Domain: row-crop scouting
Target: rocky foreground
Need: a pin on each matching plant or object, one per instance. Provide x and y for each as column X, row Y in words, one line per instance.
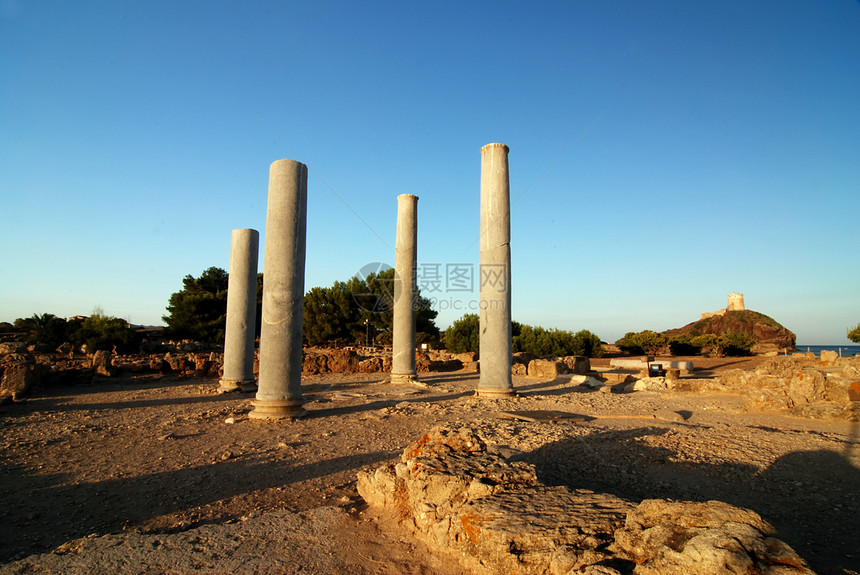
column 613, row 472
column 463, row 496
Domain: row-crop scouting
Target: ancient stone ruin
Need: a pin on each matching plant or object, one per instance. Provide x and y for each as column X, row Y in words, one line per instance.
column 495, row 276
column 405, row 265
column 279, row 393
column 241, row 313
column 457, row 492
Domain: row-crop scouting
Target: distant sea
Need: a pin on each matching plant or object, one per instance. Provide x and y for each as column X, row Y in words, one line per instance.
column 847, row 350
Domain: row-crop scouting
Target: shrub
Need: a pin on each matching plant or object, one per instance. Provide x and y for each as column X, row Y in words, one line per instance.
column 683, row 345
column 540, row 341
column 464, row 334
column 106, row 332
column 854, row 334
column 46, row 328
column 729, row 343
column 732, row 343
column 643, row 342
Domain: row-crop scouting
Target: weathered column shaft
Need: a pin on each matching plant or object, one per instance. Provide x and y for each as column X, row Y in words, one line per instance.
column 495, row 273
column 405, row 262
column 241, row 312
column 279, row 392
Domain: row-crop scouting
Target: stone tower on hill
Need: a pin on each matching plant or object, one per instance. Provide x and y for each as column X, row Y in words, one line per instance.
column 736, row 302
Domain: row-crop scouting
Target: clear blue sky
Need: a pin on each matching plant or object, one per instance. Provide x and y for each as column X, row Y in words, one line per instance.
column 663, row 153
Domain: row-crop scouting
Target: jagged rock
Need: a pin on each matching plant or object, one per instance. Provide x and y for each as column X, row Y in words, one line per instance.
column 790, row 384
column 178, row 363
column 158, row 364
column 101, row 363
column 578, row 364
column 66, row 348
column 8, row 347
column 459, row 495
column 687, row 538
column 649, row 384
column 370, row 365
column 202, row 366
column 422, row 362
column 314, row 363
column 343, row 361
column 18, row 379
column 519, row 369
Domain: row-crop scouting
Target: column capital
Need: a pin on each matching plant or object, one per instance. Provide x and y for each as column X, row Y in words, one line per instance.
column 496, row 145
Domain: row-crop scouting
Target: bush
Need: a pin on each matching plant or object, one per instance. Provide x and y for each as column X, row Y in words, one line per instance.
column 46, row 329
column 539, row 341
column 729, row 343
column 362, row 308
column 106, row 332
column 854, row 334
column 644, row 342
column 683, row 345
column 464, row 334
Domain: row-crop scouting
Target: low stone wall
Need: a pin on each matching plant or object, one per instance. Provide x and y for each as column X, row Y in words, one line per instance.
column 829, row 389
column 464, row 498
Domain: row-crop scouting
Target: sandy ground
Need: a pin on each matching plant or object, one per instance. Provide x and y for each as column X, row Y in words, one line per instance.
column 150, row 467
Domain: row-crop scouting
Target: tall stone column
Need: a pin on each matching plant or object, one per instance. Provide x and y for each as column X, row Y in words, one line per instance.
column 241, row 312
column 405, row 261
column 279, row 393
column 495, row 304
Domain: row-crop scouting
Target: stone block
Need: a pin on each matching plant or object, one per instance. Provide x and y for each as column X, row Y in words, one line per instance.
column 545, row 368
column 578, row 364
column 18, row 380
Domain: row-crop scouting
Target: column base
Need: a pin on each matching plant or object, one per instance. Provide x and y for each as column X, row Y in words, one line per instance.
column 230, row 385
column 495, row 392
column 275, row 409
column 409, row 378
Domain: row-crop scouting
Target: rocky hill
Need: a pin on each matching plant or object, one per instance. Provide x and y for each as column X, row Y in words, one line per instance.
column 768, row 333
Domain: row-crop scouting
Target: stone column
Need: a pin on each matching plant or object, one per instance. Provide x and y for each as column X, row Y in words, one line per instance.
column 279, row 393
column 405, row 261
column 241, row 312
column 495, row 273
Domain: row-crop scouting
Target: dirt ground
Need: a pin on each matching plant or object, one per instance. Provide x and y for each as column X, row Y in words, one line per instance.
column 130, row 473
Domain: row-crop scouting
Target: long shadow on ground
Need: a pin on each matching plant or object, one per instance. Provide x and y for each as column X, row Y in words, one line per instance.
column 810, row 497
column 67, row 512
